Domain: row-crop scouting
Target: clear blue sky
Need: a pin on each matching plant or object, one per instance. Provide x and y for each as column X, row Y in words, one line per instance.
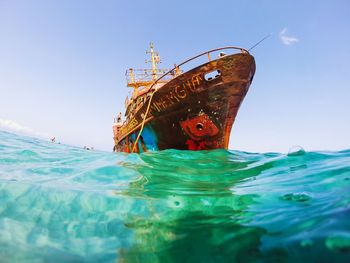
column 62, row 65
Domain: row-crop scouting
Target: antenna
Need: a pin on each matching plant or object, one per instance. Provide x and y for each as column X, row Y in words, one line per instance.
column 264, row 38
column 155, row 59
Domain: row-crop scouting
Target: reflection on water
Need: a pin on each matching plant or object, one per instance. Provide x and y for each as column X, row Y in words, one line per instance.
column 63, row 204
column 192, row 218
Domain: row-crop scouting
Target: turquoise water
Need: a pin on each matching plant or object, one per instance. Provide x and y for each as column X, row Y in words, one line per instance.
column 64, row 204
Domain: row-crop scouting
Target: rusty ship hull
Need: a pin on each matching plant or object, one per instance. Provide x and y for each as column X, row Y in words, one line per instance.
column 194, row 111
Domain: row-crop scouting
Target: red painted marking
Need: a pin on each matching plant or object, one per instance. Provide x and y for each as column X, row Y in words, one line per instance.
column 208, row 129
column 200, row 130
column 194, row 146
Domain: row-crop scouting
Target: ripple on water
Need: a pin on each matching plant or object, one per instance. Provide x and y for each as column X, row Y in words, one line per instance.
column 296, row 197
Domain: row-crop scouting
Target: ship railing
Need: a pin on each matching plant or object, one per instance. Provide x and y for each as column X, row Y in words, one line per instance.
column 209, row 55
column 142, row 77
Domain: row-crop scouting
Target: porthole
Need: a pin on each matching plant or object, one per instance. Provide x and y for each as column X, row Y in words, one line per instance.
column 212, row 75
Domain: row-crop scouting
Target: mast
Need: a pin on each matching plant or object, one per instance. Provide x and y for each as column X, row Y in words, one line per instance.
column 155, row 59
column 137, row 78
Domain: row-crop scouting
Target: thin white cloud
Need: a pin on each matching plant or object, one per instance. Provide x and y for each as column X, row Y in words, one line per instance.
column 287, row 40
column 13, row 126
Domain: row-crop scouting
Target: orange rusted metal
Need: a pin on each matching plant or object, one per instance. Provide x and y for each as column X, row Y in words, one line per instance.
column 194, row 110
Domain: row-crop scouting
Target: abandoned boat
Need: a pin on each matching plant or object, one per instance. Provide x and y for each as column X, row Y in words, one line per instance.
column 186, row 110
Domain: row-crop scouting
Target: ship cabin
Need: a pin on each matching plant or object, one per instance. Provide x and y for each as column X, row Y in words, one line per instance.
column 141, row 80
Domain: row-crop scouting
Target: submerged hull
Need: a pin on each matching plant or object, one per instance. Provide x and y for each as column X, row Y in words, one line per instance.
column 194, row 111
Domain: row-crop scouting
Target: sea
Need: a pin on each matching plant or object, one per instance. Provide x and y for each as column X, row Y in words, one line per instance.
column 60, row 203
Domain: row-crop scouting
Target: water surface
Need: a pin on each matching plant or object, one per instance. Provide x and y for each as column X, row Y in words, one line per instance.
column 64, row 204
